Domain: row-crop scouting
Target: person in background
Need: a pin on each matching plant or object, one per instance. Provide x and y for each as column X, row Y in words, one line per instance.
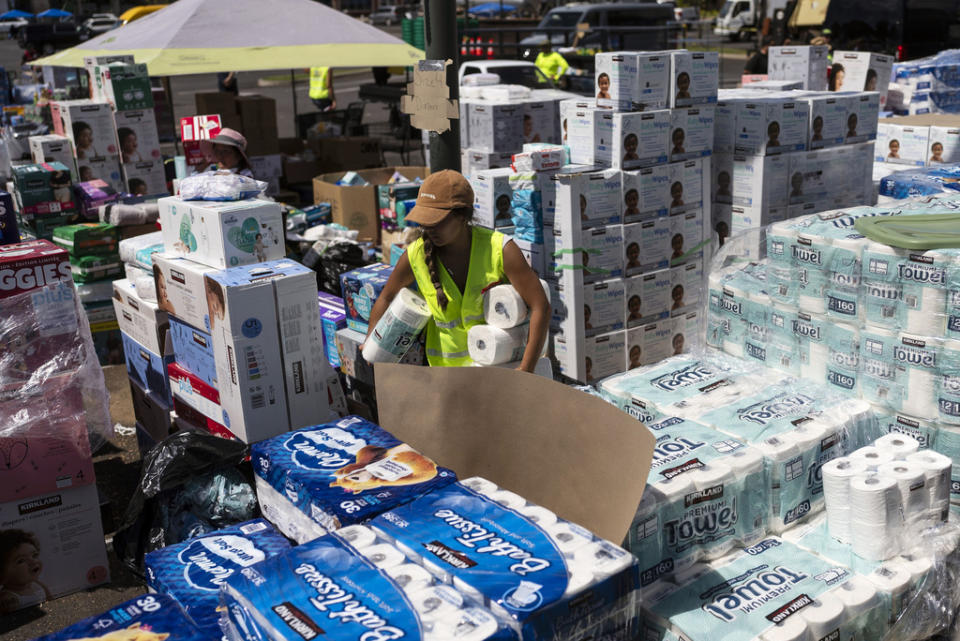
column 321, row 89
column 228, row 149
column 551, row 63
column 228, row 82
column 757, row 64
column 453, row 263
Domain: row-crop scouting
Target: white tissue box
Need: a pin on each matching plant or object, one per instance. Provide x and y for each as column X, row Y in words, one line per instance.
column 646, row 193
column 806, row 63
column 691, row 133
column 639, row 139
column 694, row 78
column 495, row 126
column 589, row 135
column 492, row 198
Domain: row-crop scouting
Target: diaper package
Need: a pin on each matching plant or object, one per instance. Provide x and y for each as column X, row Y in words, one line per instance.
column 361, row 288
column 192, row 572
column 148, row 617
column 544, row 577
column 705, row 494
column 342, row 473
column 350, row 585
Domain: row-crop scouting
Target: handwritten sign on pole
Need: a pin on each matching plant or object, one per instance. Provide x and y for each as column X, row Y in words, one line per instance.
column 428, row 97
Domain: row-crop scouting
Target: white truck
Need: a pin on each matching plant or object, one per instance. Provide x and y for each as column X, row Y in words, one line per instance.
column 738, row 19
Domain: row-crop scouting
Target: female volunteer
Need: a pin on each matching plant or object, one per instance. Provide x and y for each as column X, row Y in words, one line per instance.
column 453, row 264
column 228, row 149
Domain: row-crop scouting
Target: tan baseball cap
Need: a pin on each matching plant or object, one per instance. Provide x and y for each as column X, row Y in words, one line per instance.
column 439, row 194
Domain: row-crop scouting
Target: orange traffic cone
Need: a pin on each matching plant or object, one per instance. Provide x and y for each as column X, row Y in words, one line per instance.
column 490, row 49
column 463, row 47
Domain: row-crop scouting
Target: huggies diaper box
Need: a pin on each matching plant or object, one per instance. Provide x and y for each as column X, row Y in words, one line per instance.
column 361, row 288
column 222, row 234
column 541, row 575
column 148, row 617
column 344, row 472
column 31, row 265
column 351, row 585
column 192, row 572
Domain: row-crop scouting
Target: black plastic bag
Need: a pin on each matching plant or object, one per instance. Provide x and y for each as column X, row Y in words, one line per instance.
column 337, row 259
column 190, row 483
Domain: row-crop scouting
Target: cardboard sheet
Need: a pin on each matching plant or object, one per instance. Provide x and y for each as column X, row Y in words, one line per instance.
column 427, row 101
column 566, row 450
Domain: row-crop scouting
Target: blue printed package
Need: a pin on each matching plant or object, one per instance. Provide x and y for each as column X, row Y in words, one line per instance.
column 772, row 590
column 343, row 472
column 346, row 586
column 332, row 318
column 361, row 287
column 193, row 349
column 192, row 571
column 147, row 369
column 706, row 493
column 149, row 617
column 557, row 578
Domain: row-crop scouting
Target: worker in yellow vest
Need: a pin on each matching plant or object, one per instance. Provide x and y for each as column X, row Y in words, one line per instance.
column 453, row 263
column 321, row 88
column 551, row 63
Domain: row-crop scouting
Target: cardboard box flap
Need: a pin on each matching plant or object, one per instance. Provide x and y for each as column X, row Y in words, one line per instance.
column 570, row 452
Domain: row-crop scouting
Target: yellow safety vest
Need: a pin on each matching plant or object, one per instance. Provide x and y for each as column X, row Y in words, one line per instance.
column 318, row 83
column 447, row 330
column 552, row 64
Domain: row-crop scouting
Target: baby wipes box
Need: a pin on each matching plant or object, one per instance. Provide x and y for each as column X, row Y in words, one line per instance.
column 691, row 133
column 589, row 135
column 51, row 544
column 193, row 571
column 361, row 288
column 694, row 78
column 639, row 139
column 705, row 495
column 180, row 288
column 191, row 390
column 222, row 234
column 541, row 575
column 808, row 63
column 148, row 617
column 646, row 193
column 343, row 472
column 350, row 585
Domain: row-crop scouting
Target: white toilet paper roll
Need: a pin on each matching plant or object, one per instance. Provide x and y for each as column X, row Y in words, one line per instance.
column 472, row 624
column 436, row 602
column 911, row 483
column 857, row 594
column 900, row 445
column 410, row 577
column 894, row 584
column 823, row 616
column 508, row 499
column 480, row 485
column 409, row 552
column 836, row 491
column 374, row 353
column 359, row 536
column 605, row 558
column 744, row 461
column 875, row 522
column 471, row 592
column 397, row 329
column 578, row 581
column 442, row 573
column 384, row 555
column 146, row 289
column 872, row 456
column 936, row 468
column 489, row 345
column 793, row 629
column 568, row 537
column 539, row 515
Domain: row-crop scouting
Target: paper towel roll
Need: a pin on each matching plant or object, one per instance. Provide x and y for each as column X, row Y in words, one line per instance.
column 811, row 333
column 744, row 461
column 568, row 537
column 508, row 499
column 823, row 616
column 146, row 289
column 480, row 485
column 711, row 474
column 936, row 468
column 857, row 594
column 925, row 291
column 359, row 536
column 878, row 371
column 539, row 515
column 792, row 629
column 397, row 329
column 436, row 602
column 882, row 288
column 872, row 456
column 948, row 381
column 918, row 566
column 489, row 345
column 808, row 272
column 605, row 558
column 674, row 489
column 778, row 449
column 472, row 624
column 808, row 435
column 911, row 483
column 690, row 574
column 894, row 584
column 917, row 356
column 503, row 306
column 384, row 555
column 900, row 445
column 410, row 577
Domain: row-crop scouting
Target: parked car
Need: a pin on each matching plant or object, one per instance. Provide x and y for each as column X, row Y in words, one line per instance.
column 47, row 37
column 388, row 15
column 511, row 72
column 9, row 26
column 99, row 23
column 624, row 25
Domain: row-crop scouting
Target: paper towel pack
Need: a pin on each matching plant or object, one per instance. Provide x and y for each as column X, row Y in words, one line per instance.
column 554, row 563
column 192, row 572
column 345, row 472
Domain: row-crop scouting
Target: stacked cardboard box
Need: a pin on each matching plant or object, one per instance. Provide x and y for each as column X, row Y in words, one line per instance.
column 253, row 116
column 91, row 129
column 43, row 198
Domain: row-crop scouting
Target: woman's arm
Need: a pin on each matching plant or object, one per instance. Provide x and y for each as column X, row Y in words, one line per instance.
column 402, row 276
column 527, row 284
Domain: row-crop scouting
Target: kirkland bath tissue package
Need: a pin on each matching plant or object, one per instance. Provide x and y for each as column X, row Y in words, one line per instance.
column 547, row 578
column 192, row 571
column 148, row 617
column 773, row 591
column 342, row 473
column 706, row 494
column 346, row 586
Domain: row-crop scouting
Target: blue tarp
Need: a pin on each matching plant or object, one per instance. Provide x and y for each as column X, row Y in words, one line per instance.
column 15, row 13
column 55, row 13
column 491, row 9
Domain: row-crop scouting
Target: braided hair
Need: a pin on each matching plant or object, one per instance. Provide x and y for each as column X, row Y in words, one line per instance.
column 430, row 256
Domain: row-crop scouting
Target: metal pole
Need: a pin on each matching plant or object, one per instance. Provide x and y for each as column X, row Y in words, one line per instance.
column 440, row 26
column 293, row 90
column 168, row 86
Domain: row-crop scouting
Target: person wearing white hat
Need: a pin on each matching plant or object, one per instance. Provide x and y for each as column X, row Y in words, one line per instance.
column 227, row 149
